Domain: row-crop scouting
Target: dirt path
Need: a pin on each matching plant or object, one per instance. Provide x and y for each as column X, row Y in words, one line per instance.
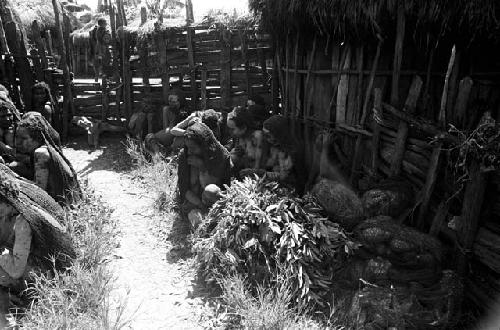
column 157, row 288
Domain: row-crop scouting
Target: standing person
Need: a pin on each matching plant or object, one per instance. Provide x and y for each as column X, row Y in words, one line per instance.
column 42, row 102
column 49, row 168
column 100, row 38
column 31, row 232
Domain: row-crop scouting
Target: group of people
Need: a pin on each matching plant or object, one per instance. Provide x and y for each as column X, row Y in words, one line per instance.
column 213, row 147
column 36, row 181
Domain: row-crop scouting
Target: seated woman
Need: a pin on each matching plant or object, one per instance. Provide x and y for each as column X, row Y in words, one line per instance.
column 9, row 116
column 49, row 168
column 247, row 147
column 42, row 102
column 31, row 232
column 285, row 163
column 204, row 169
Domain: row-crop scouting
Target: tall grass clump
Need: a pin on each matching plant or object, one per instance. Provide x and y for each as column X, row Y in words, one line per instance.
column 79, row 298
column 157, row 173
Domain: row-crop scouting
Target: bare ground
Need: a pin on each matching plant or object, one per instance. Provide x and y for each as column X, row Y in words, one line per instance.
column 153, row 275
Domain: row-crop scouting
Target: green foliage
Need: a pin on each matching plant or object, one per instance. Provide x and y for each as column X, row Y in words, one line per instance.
column 258, row 225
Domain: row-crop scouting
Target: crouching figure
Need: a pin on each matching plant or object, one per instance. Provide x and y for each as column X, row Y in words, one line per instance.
column 48, row 167
column 204, row 169
column 31, row 236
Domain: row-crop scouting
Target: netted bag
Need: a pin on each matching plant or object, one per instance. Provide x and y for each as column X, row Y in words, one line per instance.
column 340, row 202
column 401, row 245
column 408, row 307
column 389, row 198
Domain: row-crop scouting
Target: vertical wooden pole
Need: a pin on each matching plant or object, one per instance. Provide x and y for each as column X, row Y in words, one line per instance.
column 377, row 115
column 50, row 44
column 308, row 92
column 144, row 15
column 67, row 42
column 35, row 28
column 192, row 67
column 464, row 90
column 296, row 77
column 471, row 212
column 225, row 74
column 203, row 88
column 364, row 113
column 244, row 50
column 143, row 54
column 165, row 79
column 402, row 134
column 68, row 97
column 430, row 181
column 116, row 65
column 398, row 55
column 15, row 40
column 105, row 98
column 37, row 64
column 189, row 12
column 359, row 88
column 275, row 90
column 343, row 89
column 286, row 92
column 126, row 76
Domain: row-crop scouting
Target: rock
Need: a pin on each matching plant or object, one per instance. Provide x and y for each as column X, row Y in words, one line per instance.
column 340, row 202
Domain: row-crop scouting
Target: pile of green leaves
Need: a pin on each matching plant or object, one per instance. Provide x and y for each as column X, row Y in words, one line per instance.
column 259, row 227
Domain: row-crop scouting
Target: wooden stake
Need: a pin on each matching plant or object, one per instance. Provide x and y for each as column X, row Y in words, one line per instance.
column 275, row 85
column 377, row 112
column 50, row 44
column 464, row 90
column 116, row 64
column 359, row 138
column 126, row 76
column 67, row 41
column 444, row 97
column 471, row 212
column 225, row 74
column 190, row 44
column 244, row 50
column 343, row 89
column 144, row 15
column 296, row 77
column 68, row 97
column 359, row 89
column 105, row 98
column 410, row 106
column 308, row 92
column 398, row 55
column 189, row 12
column 203, row 88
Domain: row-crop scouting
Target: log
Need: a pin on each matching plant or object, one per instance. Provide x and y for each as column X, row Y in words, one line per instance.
column 471, row 211
column 343, row 89
column 402, row 135
column 68, row 97
column 377, row 112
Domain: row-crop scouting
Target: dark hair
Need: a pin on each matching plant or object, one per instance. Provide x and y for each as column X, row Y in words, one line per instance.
column 48, row 95
column 242, row 118
column 102, row 21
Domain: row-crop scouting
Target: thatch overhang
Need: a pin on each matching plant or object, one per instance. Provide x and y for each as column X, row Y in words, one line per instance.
column 463, row 20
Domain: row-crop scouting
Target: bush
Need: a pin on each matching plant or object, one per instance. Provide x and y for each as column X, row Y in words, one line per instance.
column 257, row 226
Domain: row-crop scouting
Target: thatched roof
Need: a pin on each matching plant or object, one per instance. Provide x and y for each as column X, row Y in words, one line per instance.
column 26, row 11
column 364, row 18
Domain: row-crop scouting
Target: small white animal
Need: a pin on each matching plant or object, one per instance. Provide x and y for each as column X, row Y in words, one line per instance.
column 95, row 127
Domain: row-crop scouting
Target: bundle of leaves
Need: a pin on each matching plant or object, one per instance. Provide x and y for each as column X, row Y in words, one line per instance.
column 259, row 226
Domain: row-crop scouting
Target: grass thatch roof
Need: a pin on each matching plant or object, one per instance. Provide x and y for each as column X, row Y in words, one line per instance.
column 26, row 11
column 364, row 18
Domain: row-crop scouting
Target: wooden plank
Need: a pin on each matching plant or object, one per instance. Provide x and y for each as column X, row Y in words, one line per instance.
column 68, row 97
column 444, row 98
column 410, row 106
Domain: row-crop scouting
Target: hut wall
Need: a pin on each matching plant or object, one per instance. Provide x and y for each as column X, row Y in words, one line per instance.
column 324, row 84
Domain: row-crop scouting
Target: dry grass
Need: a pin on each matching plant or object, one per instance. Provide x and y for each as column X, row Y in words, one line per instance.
column 79, row 298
